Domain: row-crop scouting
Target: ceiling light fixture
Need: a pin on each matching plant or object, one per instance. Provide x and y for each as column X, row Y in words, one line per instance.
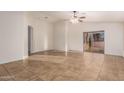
column 76, row 19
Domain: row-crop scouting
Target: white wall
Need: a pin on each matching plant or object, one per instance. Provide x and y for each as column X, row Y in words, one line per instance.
column 42, row 34
column 60, row 36
column 12, row 29
column 123, row 43
column 14, row 35
column 113, row 36
column 25, row 36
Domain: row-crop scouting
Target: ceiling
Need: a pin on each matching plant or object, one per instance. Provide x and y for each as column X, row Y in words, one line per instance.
column 99, row 16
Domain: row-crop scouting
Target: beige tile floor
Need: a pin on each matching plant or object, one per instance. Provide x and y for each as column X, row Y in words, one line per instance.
column 59, row 66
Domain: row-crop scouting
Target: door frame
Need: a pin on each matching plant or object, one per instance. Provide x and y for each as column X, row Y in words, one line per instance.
column 92, row 32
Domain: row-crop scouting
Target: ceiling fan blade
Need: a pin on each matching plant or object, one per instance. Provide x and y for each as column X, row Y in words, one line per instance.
column 80, row 20
column 82, row 17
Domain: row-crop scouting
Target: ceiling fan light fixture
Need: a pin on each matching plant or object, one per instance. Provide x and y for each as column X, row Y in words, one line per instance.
column 74, row 20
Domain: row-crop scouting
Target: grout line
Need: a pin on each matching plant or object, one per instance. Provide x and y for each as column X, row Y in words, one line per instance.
column 100, row 71
column 8, row 73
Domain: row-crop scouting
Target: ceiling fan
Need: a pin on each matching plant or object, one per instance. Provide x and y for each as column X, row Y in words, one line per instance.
column 76, row 18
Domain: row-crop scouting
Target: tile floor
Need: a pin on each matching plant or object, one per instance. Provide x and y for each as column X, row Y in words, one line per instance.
column 59, row 66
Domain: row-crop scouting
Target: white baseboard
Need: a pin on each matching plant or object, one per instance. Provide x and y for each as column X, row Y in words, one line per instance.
column 14, row 59
column 11, row 60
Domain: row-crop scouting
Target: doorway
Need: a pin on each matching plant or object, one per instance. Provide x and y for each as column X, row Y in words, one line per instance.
column 30, row 38
column 93, row 41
